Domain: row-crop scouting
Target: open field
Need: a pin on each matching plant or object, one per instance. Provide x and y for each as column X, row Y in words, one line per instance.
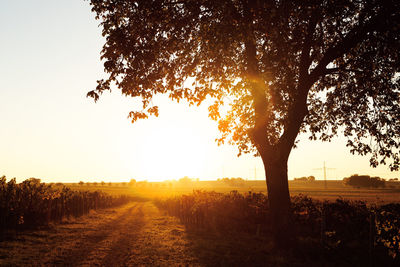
column 335, row 189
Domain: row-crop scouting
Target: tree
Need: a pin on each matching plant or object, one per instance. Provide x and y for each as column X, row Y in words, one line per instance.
column 283, row 67
column 185, row 180
column 132, row 182
column 364, row 181
column 305, row 179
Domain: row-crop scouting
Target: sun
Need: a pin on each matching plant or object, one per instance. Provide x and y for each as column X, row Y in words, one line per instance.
column 172, row 153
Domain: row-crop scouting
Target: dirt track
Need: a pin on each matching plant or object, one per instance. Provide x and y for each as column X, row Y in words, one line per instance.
column 137, row 234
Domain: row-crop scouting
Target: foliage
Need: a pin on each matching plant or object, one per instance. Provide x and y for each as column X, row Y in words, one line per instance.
column 185, row 180
column 341, row 225
column 281, row 66
column 32, row 203
column 305, row 179
column 364, row 181
column 237, row 182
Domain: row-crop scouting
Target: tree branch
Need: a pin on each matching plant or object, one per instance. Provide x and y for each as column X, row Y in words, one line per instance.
column 305, row 59
column 354, row 37
column 338, row 70
column 298, row 111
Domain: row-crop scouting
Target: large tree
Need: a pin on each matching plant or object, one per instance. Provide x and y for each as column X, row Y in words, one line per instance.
column 283, row 67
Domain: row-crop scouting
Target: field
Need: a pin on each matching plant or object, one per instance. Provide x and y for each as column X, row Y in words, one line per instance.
column 335, row 189
column 143, row 233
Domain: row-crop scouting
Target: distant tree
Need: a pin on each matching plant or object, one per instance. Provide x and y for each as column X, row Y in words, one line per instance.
column 185, row 180
column 35, row 180
column 81, row 183
column 237, row 182
column 302, row 179
column 364, row 181
column 132, row 182
column 87, row 184
column 102, row 183
column 95, row 183
column 305, row 179
column 284, row 67
column 109, row 184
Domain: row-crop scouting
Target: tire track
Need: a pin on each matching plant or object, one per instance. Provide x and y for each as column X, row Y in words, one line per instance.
column 90, row 245
column 137, row 234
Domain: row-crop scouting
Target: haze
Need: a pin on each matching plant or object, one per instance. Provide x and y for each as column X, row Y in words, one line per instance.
column 50, row 130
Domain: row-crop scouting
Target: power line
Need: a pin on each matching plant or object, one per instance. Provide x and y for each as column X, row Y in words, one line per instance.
column 324, row 168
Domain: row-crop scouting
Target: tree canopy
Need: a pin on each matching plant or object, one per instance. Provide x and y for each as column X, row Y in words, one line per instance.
column 283, row 67
column 364, row 181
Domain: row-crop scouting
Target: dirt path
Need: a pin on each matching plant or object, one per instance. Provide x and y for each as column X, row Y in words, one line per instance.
column 137, row 234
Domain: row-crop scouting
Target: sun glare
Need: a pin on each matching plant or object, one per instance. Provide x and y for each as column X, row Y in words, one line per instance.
column 172, row 153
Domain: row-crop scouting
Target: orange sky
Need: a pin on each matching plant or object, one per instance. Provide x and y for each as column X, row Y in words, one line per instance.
column 50, row 130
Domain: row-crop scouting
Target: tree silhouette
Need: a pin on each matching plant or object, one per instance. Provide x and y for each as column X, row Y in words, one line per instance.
column 283, row 67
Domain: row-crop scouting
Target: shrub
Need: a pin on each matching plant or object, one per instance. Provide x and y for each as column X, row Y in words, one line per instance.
column 31, row 203
column 342, row 225
column 364, row 181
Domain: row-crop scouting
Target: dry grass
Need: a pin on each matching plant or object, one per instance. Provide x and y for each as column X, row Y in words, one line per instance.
column 136, row 234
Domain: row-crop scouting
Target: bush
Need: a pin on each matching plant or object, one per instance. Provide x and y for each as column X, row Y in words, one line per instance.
column 343, row 225
column 31, row 203
column 305, row 179
column 235, row 182
column 364, row 181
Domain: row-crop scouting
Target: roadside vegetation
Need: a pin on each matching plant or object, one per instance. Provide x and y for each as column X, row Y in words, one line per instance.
column 210, row 223
column 32, row 204
column 341, row 231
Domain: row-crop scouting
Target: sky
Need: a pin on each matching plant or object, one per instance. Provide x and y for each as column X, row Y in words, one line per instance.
column 50, row 59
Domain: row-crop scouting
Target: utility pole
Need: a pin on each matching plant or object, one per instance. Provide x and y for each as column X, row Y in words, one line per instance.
column 324, row 168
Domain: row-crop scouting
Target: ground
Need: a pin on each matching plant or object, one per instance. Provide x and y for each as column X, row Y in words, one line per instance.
column 137, row 234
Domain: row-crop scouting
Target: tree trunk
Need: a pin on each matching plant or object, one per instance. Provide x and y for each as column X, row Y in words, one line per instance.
column 279, row 199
